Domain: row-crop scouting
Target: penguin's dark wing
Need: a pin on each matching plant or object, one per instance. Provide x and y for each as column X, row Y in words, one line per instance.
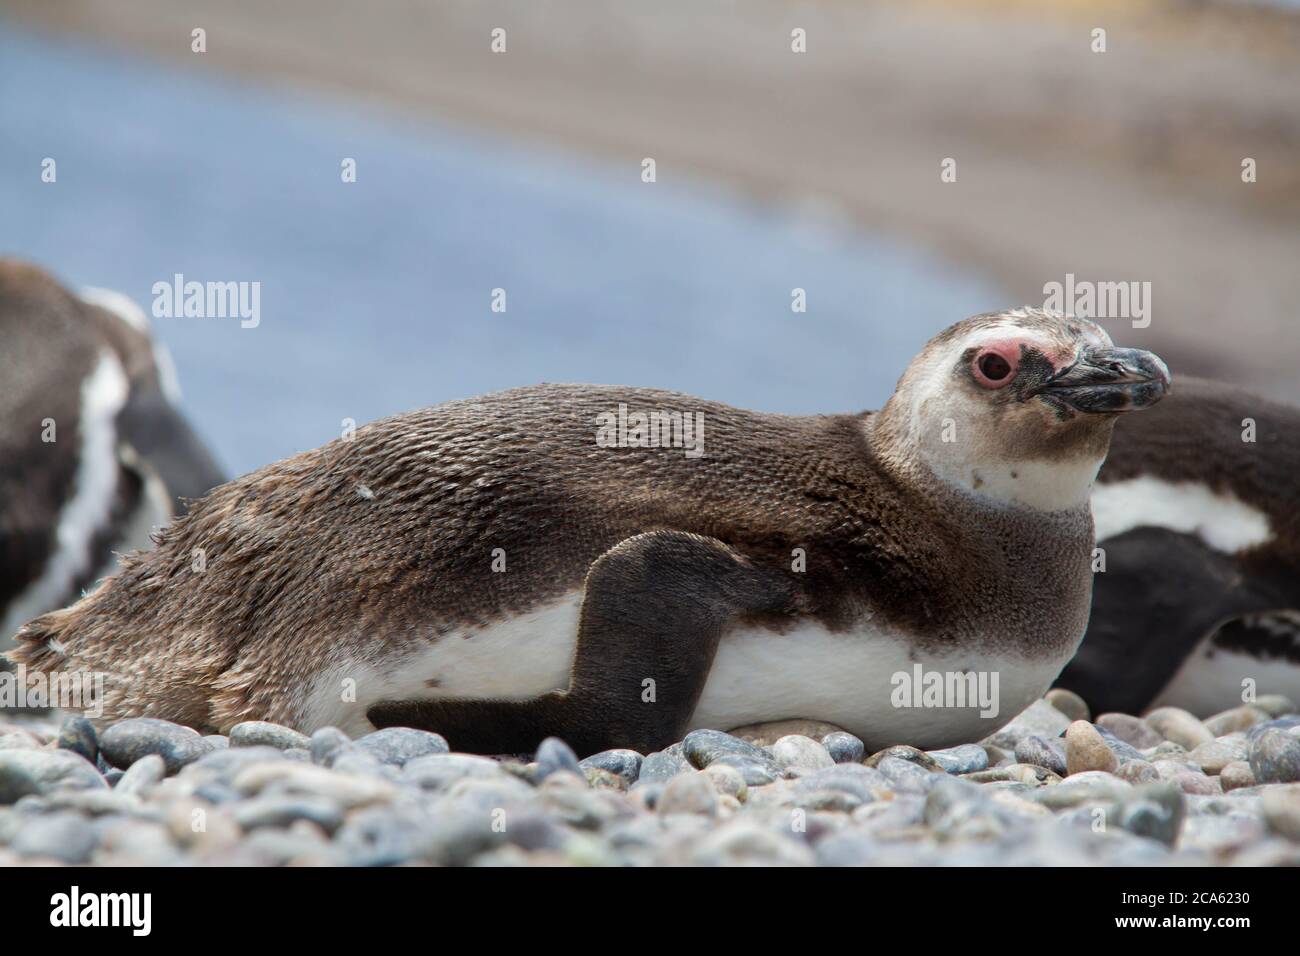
column 1161, row 594
column 162, row 437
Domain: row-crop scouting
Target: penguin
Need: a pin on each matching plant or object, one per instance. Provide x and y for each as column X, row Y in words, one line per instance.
column 1197, row 514
column 93, row 452
column 616, row 566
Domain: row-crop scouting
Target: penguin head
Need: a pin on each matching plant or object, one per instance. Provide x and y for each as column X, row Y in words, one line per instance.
column 1017, row 406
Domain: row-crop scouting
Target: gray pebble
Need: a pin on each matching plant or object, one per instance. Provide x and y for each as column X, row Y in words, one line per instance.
column 702, row 747
column 622, row 763
column 1069, row 703
column 1178, row 725
column 967, row 758
column 281, row 811
column 553, row 756
column 64, row 836
column 127, row 741
column 78, row 735
column 326, row 743
column 1042, row 752
column 1275, row 757
column 844, row 747
column 1132, row 730
column 688, row 793
column 794, row 751
column 396, row 745
column 42, row 771
column 261, row 733
column 141, row 775
column 662, row 767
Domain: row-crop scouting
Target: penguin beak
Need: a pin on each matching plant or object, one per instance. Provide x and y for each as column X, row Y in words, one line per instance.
column 1108, row 380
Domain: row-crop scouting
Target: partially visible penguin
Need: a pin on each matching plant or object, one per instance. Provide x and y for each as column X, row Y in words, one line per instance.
column 539, row 561
column 93, row 452
column 1198, row 514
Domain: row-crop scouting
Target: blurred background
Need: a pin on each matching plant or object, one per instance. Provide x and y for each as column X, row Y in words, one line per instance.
column 522, row 170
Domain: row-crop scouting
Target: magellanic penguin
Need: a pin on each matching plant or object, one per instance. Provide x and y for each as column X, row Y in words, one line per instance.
column 93, row 452
column 617, row 565
column 1198, row 519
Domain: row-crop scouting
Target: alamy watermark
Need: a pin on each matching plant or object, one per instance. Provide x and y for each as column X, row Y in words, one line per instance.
column 1100, row 300
column 208, row 300
column 653, row 429
column 946, row 689
column 66, row 690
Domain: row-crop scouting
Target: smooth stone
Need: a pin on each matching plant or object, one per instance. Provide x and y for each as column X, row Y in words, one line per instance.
column 966, row 758
column 146, row 772
column 78, row 735
column 1236, row 775
column 702, row 747
column 852, row 778
column 1040, row 718
column 903, row 752
column 19, row 740
column 766, row 734
column 1132, row 730
column 747, row 844
column 757, row 773
column 1068, row 703
column 1197, row 783
column 1176, row 724
column 661, row 767
column 1123, row 750
column 326, row 743
column 554, row 756
column 1156, row 812
column 1289, row 723
column 1031, row 774
column 622, row 763
column 24, row 772
column 1138, row 772
column 804, row 753
column 1276, row 705
column 727, row 781
column 688, row 793
column 1281, row 810
column 1040, row 751
column 66, row 837
column 1091, row 786
column 1086, row 749
column 280, row 811
column 1236, row 719
column 126, row 741
column 1213, row 757
column 908, row 775
column 440, row 771
column 844, row 747
column 1275, row 757
column 218, row 741
column 396, row 745
column 261, row 733
column 286, row 776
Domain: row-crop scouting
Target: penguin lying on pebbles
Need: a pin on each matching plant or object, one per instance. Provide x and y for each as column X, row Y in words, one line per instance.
column 534, row 562
column 1198, row 513
column 93, row 453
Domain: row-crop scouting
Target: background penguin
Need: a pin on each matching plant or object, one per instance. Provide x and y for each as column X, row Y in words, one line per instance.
column 492, row 570
column 93, row 453
column 1201, row 532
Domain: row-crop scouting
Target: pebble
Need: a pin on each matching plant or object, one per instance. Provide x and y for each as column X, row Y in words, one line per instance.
column 688, row 793
column 24, row 772
column 1132, row 730
column 795, row 751
column 78, row 735
column 260, row 733
column 792, row 793
column 1277, row 705
column 1236, row 775
column 1275, row 757
column 967, row 758
column 1177, row 725
column 625, row 764
column 1217, row 754
column 1068, row 703
column 396, row 745
column 844, row 747
column 1281, row 809
column 1086, row 749
column 128, row 740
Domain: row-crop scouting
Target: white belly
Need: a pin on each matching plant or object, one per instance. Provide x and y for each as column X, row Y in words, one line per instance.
column 849, row 679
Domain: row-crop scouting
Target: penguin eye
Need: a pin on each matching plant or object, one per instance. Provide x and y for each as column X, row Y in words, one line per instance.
column 993, row 369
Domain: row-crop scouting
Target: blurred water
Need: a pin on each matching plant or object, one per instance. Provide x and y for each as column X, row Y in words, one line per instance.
column 375, row 295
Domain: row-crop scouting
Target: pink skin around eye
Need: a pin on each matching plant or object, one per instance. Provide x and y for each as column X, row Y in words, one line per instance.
column 1008, row 352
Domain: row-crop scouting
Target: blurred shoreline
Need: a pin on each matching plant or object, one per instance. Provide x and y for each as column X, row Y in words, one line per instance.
column 1123, row 166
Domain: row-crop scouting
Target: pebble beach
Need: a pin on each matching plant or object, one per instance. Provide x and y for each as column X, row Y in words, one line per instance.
column 1057, row 786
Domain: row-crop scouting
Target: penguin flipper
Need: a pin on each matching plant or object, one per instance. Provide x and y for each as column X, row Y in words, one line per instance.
column 161, row 436
column 654, row 609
